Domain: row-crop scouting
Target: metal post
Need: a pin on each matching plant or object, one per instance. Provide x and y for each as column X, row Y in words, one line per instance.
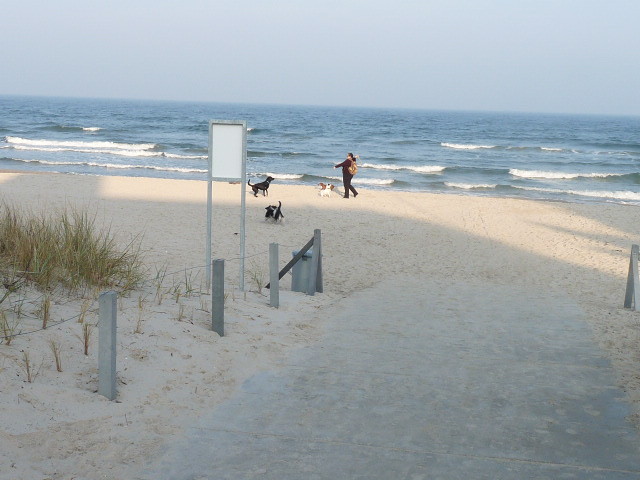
column 243, row 201
column 315, row 264
column 632, row 295
column 209, row 210
column 217, row 297
column 274, row 281
column 317, row 238
column 107, row 345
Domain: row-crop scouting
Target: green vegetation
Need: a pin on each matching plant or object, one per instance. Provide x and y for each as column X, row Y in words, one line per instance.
column 64, row 249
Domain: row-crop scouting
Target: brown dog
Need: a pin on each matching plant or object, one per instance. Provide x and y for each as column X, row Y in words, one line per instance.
column 325, row 190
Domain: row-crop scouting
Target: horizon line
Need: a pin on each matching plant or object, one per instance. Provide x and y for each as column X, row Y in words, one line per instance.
column 332, row 106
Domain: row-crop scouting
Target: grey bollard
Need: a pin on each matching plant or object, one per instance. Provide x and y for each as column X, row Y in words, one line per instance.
column 274, row 280
column 301, row 271
column 217, row 297
column 107, row 345
column 315, row 267
column 632, row 294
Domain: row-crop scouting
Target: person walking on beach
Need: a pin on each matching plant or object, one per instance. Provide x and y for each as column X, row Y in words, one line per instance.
column 347, row 174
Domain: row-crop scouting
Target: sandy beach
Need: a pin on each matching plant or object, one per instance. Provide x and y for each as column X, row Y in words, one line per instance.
column 172, row 367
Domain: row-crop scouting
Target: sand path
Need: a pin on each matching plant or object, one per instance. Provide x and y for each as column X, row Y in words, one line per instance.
column 420, row 378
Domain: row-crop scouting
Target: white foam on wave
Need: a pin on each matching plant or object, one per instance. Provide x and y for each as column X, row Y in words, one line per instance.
column 558, row 175
column 122, row 153
column 173, row 169
column 459, row 146
column 367, row 181
column 91, row 129
column 422, row 169
column 175, row 155
column 380, row 166
column 551, row 149
column 119, row 166
column 25, row 142
column 282, row 176
column 428, row 169
column 470, row 186
column 614, row 195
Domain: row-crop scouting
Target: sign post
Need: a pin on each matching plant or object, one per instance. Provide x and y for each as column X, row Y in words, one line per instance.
column 227, row 162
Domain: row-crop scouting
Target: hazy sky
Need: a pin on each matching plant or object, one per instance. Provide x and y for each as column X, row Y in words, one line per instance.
column 571, row 56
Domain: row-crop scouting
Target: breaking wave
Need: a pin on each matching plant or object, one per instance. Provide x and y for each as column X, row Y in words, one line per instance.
column 422, row 169
column 459, row 146
column 367, row 181
column 280, row 176
column 78, row 144
column 471, row 186
column 105, row 148
column 620, row 195
column 559, row 175
column 115, row 166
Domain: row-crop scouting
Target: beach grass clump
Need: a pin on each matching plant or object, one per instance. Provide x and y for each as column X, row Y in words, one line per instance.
column 45, row 311
column 141, row 314
column 257, row 277
column 85, row 337
column 161, row 274
column 56, row 349
column 29, row 368
column 8, row 327
column 66, row 249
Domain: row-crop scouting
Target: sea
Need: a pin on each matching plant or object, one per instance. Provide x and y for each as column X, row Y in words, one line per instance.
column 553, row 157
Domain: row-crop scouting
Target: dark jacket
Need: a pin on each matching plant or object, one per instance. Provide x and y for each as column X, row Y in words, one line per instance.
column 345, row 166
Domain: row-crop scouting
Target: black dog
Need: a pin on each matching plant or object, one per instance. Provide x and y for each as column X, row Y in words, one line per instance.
column 274, row 212
column 264, row 186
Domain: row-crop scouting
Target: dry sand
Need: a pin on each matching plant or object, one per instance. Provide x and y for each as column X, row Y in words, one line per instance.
column 172, row 367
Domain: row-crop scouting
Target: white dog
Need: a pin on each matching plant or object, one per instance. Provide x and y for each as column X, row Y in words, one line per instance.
column 325, row 190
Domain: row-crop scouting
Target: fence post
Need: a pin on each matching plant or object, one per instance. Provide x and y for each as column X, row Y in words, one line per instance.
column 274, row 281
column 317, row 234
column 315, row 276
column 107, row 344
column 217, row 297
column 632, row 295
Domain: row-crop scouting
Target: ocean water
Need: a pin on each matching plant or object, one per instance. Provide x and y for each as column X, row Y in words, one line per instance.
column 552, row 157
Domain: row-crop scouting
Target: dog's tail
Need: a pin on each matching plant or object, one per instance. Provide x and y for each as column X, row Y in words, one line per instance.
column 249, row 182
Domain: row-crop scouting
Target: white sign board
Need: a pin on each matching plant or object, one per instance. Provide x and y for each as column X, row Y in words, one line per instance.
column 227, row 147
column 227, row 161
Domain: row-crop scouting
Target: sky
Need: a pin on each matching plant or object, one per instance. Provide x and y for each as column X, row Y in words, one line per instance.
column 557, row 56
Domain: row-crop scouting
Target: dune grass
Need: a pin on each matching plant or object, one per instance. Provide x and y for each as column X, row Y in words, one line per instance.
column 66, row 248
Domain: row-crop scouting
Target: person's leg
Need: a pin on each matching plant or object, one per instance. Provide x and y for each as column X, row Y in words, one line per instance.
column 353, row 190
column 346, row 179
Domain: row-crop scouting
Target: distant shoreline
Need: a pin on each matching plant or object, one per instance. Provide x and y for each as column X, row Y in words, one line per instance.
column 339, row 184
